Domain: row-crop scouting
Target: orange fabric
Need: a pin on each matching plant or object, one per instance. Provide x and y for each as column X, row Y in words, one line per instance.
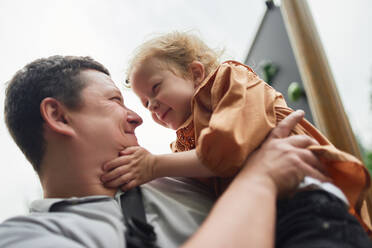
column 346, row 171
column 233, row 112
column 224, row 107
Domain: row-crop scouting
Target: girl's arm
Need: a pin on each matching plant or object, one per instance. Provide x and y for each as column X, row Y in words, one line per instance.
column 239, row 110
column 181, row 164
column 136, row 166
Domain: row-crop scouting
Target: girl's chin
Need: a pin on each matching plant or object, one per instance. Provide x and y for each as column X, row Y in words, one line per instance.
column 173, row 126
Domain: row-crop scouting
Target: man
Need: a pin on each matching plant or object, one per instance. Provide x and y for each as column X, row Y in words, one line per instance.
column 68, row 118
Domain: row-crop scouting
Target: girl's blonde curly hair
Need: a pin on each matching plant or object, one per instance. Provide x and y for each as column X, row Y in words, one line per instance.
column 177, row 50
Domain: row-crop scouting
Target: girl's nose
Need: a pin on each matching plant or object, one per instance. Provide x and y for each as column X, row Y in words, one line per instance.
column 153, row 104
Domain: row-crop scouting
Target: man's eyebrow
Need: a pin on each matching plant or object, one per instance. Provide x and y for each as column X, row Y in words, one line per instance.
column 112, row 92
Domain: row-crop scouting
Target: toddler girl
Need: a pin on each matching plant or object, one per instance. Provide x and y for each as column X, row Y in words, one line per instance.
column 221, row 113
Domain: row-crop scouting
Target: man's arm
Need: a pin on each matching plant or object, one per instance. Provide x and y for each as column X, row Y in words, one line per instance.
column 244, row 216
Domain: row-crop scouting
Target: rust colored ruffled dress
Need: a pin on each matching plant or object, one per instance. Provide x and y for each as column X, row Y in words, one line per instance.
column 233, row 112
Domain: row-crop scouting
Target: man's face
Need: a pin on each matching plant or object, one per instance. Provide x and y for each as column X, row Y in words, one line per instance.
column 103, row 124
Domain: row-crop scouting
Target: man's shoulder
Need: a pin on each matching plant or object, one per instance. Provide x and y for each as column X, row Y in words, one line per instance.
column 73, row 222
column 48, row 204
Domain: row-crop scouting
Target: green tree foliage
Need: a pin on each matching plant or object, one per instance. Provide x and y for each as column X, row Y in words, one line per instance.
column 367, row 157
column 367, row 152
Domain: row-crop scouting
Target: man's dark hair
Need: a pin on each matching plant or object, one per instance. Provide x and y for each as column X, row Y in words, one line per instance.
column 55, row 77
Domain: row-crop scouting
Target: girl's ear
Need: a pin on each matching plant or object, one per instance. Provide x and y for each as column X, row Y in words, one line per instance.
column 197, row 72
column 55, row 116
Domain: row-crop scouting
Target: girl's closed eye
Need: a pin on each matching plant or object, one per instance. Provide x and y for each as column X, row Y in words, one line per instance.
column 156, row 88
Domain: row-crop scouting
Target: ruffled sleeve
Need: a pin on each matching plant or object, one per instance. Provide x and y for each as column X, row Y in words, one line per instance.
column 233, row 113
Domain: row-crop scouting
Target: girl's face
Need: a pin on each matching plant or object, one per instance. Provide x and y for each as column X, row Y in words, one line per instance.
column 166, row 95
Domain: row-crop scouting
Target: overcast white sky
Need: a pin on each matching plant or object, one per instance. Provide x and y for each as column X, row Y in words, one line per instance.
column 109, row 30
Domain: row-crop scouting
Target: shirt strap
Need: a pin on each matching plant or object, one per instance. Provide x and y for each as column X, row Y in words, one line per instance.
column 139, row 233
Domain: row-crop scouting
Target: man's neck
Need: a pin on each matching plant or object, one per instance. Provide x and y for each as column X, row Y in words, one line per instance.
column 72, row 176
column 73, row 188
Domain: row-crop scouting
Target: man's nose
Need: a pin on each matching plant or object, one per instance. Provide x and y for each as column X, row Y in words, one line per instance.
column 134, row 119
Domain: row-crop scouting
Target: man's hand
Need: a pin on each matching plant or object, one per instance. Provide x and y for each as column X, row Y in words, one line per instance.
column 134, row 167
column 285, row 160
column 275, row 168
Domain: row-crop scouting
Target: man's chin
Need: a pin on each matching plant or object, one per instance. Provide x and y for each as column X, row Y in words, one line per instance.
column 130, row 140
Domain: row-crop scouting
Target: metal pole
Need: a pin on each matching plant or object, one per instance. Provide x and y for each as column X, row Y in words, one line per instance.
column 323, row 97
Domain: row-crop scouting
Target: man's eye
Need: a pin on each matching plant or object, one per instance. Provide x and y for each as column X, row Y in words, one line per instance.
column 118, row 99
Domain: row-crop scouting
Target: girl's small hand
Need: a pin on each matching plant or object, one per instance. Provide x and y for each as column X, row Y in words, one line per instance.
column 134, row 167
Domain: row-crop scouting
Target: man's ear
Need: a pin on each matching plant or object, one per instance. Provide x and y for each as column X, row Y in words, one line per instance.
column 55, row 116
column 197, row 72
